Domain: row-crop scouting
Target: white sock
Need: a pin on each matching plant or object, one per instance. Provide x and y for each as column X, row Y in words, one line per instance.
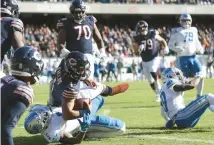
column 210, row 98
column 158, row 87
column 200, row 87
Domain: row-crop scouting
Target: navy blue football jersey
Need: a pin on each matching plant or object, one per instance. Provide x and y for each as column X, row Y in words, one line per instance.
column 149, row 47
column 78, row 36
column 61, row 81
column 15, row 90
column 8, row 27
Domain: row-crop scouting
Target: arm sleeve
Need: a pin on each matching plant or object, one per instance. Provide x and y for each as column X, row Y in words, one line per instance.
column 17, row 25
column 70, row 93
column 25, row 93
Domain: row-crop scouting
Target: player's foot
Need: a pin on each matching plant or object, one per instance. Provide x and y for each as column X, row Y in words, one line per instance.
column 119, row 89
column 157, row 98
column 211, row 107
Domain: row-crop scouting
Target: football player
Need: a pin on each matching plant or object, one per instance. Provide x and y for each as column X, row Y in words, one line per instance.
column 49, row 122
column 69, row 84
column 147, row 43
column 16, row 93
column 78, row 31
column 184, row 41
column 11, row 27
column 172, row 100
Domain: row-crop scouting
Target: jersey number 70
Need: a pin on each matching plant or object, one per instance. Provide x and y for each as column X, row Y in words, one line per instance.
column 85, row 29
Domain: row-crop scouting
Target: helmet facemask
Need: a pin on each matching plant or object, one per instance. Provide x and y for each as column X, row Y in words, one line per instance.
column 78, row 14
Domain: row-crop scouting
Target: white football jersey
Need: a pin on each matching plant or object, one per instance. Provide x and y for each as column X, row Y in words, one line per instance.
column 57, row 125
column 171, row 101
column 186, row 39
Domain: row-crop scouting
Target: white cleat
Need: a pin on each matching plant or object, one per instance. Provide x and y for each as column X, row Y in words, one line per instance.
column 157, row 98
column 211, row 107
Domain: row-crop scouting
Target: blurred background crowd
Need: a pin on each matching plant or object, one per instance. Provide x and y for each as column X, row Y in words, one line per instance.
column 118, row 40
column 203, row 2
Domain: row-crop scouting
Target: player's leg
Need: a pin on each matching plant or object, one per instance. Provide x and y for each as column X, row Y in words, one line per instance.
column 97, row 103
column 190, row 115
column 155, row 63
column 197, row 71
column 11, row 116
column 105, row 127
column 183, row 64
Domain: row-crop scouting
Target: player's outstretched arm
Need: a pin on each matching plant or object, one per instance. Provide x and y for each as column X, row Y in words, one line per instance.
column 183, row 87
column 98, row 39
column 163, row 43
column 67, row 138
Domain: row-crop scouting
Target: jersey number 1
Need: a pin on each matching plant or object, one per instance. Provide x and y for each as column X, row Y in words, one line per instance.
column 85, row 29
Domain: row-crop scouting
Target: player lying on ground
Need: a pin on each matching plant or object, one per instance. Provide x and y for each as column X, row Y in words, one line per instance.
column 148, row 43
column 184, row 41
column 49, row 122
column 16, row 93
column 70, row 84
column 172, row 99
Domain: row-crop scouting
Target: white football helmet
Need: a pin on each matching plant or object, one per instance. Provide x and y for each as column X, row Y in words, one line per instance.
column 173, row 73
column 185, row 21
column 37, row 120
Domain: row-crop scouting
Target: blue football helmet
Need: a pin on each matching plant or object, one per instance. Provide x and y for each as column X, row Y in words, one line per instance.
column 173, row 73
column 142, row 27
column 77, row 66
column 37, row 120
column 10, row 7
column 27, row 62
column 185, row 21
column 77, row 10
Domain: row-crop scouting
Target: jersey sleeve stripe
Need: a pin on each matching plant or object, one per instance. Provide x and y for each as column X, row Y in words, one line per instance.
column 18, row 26
column 26, row 90
column 60, row 24
column 21, row 93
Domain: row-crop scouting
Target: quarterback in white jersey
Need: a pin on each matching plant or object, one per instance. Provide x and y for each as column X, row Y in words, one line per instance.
column 172, row 100
column 184, row 41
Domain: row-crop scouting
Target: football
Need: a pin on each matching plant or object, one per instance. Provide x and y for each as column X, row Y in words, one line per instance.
column 81, row 103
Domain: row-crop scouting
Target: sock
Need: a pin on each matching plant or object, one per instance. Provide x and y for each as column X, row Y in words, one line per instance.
column 158, row 87
column 200, row 87
column 153, row 86
column 107, row 91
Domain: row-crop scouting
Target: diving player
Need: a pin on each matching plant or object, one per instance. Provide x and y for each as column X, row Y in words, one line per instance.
column 172, row 99
column 148, row 43
column 69, row 84
column 16, row 93
column 11, row 27
column 77, row 32
column 184, row 41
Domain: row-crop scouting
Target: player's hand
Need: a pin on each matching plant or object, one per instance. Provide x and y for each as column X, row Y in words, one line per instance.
column 85, row 124
column 90, row 83
column 179, row 49
column 87, row 109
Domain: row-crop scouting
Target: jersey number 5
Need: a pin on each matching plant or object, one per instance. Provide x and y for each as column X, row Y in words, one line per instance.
column 85, row 29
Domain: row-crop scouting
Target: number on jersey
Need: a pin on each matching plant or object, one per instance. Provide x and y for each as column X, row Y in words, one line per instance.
column 146, row 44
column 188, row 36
column 83, row 29
column 163, row 101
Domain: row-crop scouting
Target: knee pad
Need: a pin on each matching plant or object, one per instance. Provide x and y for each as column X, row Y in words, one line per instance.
column 210, row 98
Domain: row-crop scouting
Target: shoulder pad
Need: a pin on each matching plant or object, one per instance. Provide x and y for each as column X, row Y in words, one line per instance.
column 61, row 22
column 25, row 91
column 17, row 24
column 194, row 29
column 171, row 82
column 92, row 18
column 174, row 30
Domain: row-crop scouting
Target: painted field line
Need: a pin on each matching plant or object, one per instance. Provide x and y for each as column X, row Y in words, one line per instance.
column 171, row 138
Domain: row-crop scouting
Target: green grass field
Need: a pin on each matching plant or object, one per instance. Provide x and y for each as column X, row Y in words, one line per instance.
column 142, row 116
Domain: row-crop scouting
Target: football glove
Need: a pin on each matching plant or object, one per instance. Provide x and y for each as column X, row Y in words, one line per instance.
column 85, row 124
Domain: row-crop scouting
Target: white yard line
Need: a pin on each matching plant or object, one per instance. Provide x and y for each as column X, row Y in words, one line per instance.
column 170, row 138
